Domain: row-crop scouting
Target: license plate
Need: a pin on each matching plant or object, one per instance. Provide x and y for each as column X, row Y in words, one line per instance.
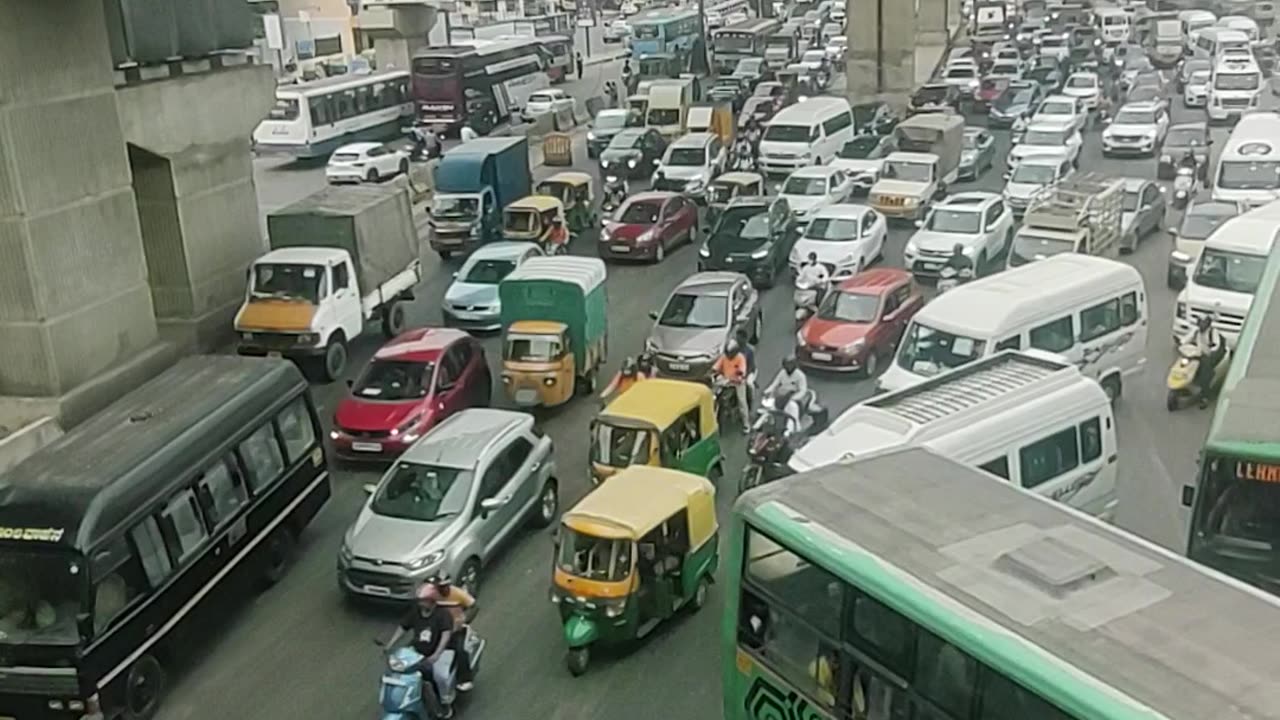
column 930, row 266
column 680, row 366
column 526, row 397
column 372, row 590
column 271, row 354
column 620, row 248
column 892, row 202
column 821, row 357
column 366, row 447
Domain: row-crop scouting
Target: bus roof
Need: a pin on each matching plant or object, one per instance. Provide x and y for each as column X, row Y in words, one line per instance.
column 338, row 82
column 1101, row 623
column 478, row 47
column 120, row 462
column 1256, row 136
column 753, row 26
column 662, row 16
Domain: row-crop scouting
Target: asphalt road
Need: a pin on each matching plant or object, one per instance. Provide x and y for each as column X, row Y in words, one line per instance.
column 301, row 651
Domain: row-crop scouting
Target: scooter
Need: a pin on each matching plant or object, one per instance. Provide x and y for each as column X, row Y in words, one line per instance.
column 615, row 193
column 767, row 451
column 400, row 695
column 1182, row 377
column 950, row 278
column 1184, row 186
column 806, row 298
column 726, row 399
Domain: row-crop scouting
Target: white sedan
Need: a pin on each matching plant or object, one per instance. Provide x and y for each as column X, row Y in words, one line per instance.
column 1086, row 87
column 811, row 189
column 365, row 162
column 546, row 101
column 846, row 238
column 1061, row 107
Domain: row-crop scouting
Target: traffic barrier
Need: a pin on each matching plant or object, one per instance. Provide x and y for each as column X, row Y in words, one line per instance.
column 594, row 105
column 541, row 124
column 557, row 150
column 564, row 120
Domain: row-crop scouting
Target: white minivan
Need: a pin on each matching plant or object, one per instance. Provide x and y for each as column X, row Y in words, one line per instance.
column 1248, row 169
column 807, row 133
column 1031, row 419
column 1211, row 41
column 1090, row 310
column 1227, row 273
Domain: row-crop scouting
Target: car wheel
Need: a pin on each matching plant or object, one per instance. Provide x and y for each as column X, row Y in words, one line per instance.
column 660, row 253
column 1112, row 387
column 469, row 576
column 372, row 176
column 548, row 504
column 404, row 167
column 872, row 365
column 755, row 330
column 981, row 264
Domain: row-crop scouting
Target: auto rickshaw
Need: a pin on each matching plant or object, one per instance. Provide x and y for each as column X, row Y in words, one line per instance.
column 728, row 186
column 667, row 423
column 575, row 192
column 631, row 554
column 535, row 219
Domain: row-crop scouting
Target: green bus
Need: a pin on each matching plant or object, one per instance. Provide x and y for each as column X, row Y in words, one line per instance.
column 1235, row 519
column 908, row 586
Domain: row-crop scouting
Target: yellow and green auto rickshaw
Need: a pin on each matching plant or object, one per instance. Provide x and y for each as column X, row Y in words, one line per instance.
column 667, row 423
column 631, row 554
column 574, row 190
column 728, row 186
column 536, row 219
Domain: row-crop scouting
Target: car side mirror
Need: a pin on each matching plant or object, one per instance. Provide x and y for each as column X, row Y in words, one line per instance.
column 1188, row 495
column 653, row 314
column 455, row 276
column 1008, row 175
column 491, row 504
column 368, row 488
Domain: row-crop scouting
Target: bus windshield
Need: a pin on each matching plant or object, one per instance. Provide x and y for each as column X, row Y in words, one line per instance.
column 1233, row 81
column 734, row 42
column 40, row 593
column 1249, row 174
column 1239, row 511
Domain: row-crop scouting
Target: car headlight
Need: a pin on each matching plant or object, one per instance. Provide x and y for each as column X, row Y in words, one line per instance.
column 650, row 346
column 704, row 251
column 1180, row 310
column 760, row 254
column 693, row 185
column 910, row 248
column 855, row 346
column 344, row 552
column 646, row 236
column 591, row 136
column 631, row 163
column 969, row 250
column 405, row 429
column 605, row 234
column 799, row 338
column 427, row 560
column 1149, row 135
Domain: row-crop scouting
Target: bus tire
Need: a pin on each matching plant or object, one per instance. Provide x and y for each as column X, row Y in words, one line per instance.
column 144, row 688
column 277, row 556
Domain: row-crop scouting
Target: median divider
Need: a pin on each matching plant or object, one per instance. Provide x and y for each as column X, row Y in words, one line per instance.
column 564, row 120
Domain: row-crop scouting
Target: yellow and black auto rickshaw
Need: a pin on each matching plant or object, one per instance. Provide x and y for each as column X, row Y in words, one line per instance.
column 576, row 193
column 537, row 219
column 631, row 554
column 667, row 423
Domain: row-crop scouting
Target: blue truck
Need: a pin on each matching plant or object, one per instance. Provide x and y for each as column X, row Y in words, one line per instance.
column 473, row 183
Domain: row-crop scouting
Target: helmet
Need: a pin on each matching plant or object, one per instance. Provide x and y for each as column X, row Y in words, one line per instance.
column 629, row 367
column 813, row 257
column 428, row 593
column 958, row 248
column 731, row 348
column 1204, row 322
column 789, row 363
column 443, row 583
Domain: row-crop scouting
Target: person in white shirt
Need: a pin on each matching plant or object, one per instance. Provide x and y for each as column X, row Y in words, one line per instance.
column 467, row 134
column 791, row 379
column 813, row 272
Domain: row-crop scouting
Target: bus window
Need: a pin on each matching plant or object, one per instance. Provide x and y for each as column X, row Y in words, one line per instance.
column 262, row 458
column 155, row 561
column 118, row 580
column 222, row 493
column 284, row 109
column 296, row 429
column 183, row 529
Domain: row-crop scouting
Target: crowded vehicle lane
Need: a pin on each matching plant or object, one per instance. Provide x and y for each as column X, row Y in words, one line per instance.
column 304, row 631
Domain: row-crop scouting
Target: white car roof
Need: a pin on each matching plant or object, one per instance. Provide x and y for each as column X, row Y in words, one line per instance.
column 846, row 211
column 815, row 171
column 359, row 148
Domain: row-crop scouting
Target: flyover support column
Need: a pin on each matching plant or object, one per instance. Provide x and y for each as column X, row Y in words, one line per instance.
column 882, row 42
column 189, row 147
column 932, row 21
column 76, row 319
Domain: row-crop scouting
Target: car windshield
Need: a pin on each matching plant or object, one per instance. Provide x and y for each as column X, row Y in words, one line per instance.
column 487, row 271
column 814, row 56
column 928, row 351
column 1053, row 41
column 961, row 73
column 1082, row 82
column 1010, row 98
column 859, row 148
column 40, row 593
column 1145, row 93
column 1004, row 69
column 593, row 558
column 685, row 310
column 394, row 380
column 1200, row 77
column 1032, row 174
column 1130, row 202
column 932, row 93
column 1232, row 271
column 625, row 141
column 640, row 213
column 1200, row 225
column 288, row 282
column 755, row 230
column 908, row 171
column 1186, row 137
column 1041, row 74
column 1238, row 511
column 970, row 141
column 1131, row 116
column 734, row 219
column 423, row 493
column 1234, row 81
column 344, row 157
column 788, row 133
column 532, row 348
column 833, row 229
column 749, row 65
column 686, row 157
column 1044, row 137
column 666, row 116
column 611, row 120
column 850, row 307
column 454, row 207
column 1193, row 67
column 1249, row 174
column 1057, row 108
column 955, row 221
column 805, row 186
column 1029, row 247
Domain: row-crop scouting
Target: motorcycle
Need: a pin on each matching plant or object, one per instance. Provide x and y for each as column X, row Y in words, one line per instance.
column 615, row 193
column 726, row 399
column 1182, row 377
column 743, row 159
column 950, row 278
column 401, row 694
column 1184, row 186
column 767, row 451
column 806, row 298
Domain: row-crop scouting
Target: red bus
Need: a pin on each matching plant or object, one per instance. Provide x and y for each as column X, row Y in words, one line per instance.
column 482, row 81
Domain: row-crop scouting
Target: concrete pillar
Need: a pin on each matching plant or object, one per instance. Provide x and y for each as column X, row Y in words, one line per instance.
column 76, row 316
column 398, row 32
column 880, row 63
column 189, row 148
column 931, row 21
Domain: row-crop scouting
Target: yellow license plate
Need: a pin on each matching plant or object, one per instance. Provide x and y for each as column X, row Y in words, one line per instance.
column 893, row 201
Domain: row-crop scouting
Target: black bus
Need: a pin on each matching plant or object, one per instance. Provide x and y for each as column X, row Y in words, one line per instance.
column 113, row 534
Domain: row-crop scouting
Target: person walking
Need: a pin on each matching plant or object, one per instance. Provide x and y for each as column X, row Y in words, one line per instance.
column 578, row 60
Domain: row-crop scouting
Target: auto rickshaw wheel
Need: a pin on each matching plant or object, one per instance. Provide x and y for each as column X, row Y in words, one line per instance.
column 577, row 660
column 700, row 593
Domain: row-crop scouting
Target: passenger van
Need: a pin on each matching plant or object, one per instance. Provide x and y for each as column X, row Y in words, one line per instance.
column 1090, row 310
column 1113, row 25
column 1226, row 275
column 1234, row 88
column 1241, row 23
column 1194, row 21
column 668, row 108
column 1248, row 168
column 807, row 133
column 1029, row 418
column 1214, row 40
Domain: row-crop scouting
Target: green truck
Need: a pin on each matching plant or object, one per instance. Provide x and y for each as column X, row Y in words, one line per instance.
column 555, row 329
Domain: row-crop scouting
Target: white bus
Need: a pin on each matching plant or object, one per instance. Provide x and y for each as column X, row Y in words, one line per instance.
column 1234, row 88
column 313, row 119
column 1010, row 414
column 1249, row 167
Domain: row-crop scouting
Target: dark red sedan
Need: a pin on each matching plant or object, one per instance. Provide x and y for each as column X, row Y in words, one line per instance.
column 412, row 383
column 648, row 225
column 860, row 322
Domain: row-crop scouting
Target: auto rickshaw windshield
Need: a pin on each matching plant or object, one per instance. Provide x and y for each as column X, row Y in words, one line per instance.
column 533, row 348
column 619, row 446
column 720, row 193
column 521, row 220
column 560, row 191
column 593, row 558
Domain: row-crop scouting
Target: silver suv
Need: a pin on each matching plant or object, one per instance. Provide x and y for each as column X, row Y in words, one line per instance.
column 449, row 503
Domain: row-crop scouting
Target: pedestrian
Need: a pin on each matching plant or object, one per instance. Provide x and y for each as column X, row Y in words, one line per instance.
column 467, row 134
column 626, row 75
column 579, row 61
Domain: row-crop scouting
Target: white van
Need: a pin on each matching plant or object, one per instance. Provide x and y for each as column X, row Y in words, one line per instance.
column 1030, row 419
column 1213, row 40
column 1113, row 25
column 1248, row 169
column 1242, row 23
column 1235, row 87
column 1090, row 310
column 1227, row 273
column 807, row 133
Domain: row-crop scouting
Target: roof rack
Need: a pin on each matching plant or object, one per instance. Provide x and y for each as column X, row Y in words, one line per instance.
column 967, row 387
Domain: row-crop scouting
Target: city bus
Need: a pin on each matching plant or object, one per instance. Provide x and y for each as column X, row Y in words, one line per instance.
column 116, row 533
column 743, row 40
column 1235, row 516
column 554, row 31
column 664, row 32
column 313, row 119
column 908, row 585
column 483, row 82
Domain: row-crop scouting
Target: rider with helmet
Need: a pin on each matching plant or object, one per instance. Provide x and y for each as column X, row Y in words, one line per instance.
column 1212, row 347
column 429, row 627
column 732, row 366
column 457, row 602
column 645, row 367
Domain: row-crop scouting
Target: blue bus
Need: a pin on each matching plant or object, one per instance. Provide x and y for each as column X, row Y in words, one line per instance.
column 664, row 32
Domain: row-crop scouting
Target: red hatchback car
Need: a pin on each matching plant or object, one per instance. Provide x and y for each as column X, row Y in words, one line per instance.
column 412, row 383
column 860, row 322
column 647, row 225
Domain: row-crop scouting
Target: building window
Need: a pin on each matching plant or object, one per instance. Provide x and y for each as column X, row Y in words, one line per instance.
column 328, row 46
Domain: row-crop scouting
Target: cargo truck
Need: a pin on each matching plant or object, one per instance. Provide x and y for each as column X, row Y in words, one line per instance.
column 473, row 183
column 341, row 260
column 927, row 164
column 1082, row 214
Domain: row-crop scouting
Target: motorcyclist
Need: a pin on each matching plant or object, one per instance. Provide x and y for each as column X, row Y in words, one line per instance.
column 742, row 152
column 732, row 366
column 790, row 380
column 958, row 260
column 458, row 602
column 813, row 273
column 430, row 630
column 557, row 238
column 785, row 402
column 1212, row 348
column 616, row 190
column 629, row 375
column 1189, row 160
column 645, row 367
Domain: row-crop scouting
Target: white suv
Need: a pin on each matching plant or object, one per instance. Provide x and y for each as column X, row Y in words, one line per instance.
column 979, row 221
column 1138, row 128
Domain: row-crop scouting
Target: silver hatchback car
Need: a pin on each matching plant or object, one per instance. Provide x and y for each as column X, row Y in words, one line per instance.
column 449, row 503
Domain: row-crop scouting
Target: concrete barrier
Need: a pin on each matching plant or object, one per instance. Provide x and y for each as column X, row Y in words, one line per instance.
column 565, row 120
column 27, row 441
